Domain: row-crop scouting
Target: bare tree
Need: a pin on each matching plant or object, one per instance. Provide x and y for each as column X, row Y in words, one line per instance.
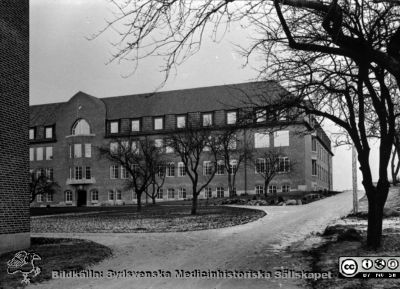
column 158, row 181
column 270, row 163
column 198, row 150
column 139, row 157
column 309, row 46
column 41, row 184
column 233, row 152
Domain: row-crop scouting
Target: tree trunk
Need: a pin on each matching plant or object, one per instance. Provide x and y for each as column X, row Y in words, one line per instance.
column 194, row 203
column 153, row 199
column 230, row 184
column 266, row 188
column 376, row 202
column 139, row 201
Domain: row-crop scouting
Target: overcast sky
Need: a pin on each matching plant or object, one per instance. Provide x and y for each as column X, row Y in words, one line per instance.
column 63, row 62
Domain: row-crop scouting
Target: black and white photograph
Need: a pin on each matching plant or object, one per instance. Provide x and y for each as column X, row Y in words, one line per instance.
column 162, row 144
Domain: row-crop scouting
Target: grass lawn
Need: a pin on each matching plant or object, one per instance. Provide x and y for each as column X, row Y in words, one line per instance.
column 56, row 254
column 338, row 243
column 153, row 218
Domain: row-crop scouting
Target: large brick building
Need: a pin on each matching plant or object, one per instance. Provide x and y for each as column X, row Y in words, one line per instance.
column 64, row 138
column 14, row 122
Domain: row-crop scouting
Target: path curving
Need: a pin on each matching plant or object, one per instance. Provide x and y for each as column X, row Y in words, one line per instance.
column 244, row 247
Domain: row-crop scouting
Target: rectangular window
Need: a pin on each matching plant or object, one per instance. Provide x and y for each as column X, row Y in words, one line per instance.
column 260, row 166
column 285, row 189
column 233, row 167
column 161, row 169
column 49, row 153
column 220, row 192
column 68, row 197
column 88, row 150
column 78, row 173
column 31, row 154
column 231, row 117
column 283, row 165
column 261, row 139
column 135, row 125
column 281, row 138
column 114, row 172
column 220, row 168
column 314, row 144
column 135, row 147
column 88, row 173
column 207, row 193
column 49, row 197
column 232, row 143
column 261, row 115
column 118, row 195
column 272, row 190
column 77, row 150
column 181, row 121
column 48, row 132
column 31, row 133
column 50, row 174
column 158, row 123
column 182, row 193
column 314, row 167
column 39, row 154
column 171, row 170
column 169, row 149
column 113, row 147
column 171, row 193
column 160, row 194
column 70, row 151
column 259, row 190
column 111, row 195
column 124, row 173
column 181, row 169
column 95, row 196
column 207, row 119
column 159, row 143
column 114, row 126
column 39, row 198
column 207, row 168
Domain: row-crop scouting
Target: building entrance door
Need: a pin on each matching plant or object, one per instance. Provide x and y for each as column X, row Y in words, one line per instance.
column 81, row 199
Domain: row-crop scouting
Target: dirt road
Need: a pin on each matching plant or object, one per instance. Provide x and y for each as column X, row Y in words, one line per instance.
column 246, row 247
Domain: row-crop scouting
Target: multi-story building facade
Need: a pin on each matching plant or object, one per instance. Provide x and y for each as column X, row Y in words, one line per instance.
column 65, row 137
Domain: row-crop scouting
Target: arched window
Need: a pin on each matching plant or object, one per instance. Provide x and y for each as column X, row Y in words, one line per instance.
column 80, row 127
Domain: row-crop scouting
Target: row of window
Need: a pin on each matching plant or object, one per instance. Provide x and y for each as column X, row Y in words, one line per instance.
column 44, row 198
column 280, row 138
column 42, row 172
column 207, row 119
column 80, row 173
column 264, row 165
column 41, row 153
column 261, row 140
column 272, row 189
column 322, row 153
column 48, row 133
column 75, row 150
column 172, row 193
column 319, row 171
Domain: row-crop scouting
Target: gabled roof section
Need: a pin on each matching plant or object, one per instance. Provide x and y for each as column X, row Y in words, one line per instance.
column 44, row 114
column 201, row 99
